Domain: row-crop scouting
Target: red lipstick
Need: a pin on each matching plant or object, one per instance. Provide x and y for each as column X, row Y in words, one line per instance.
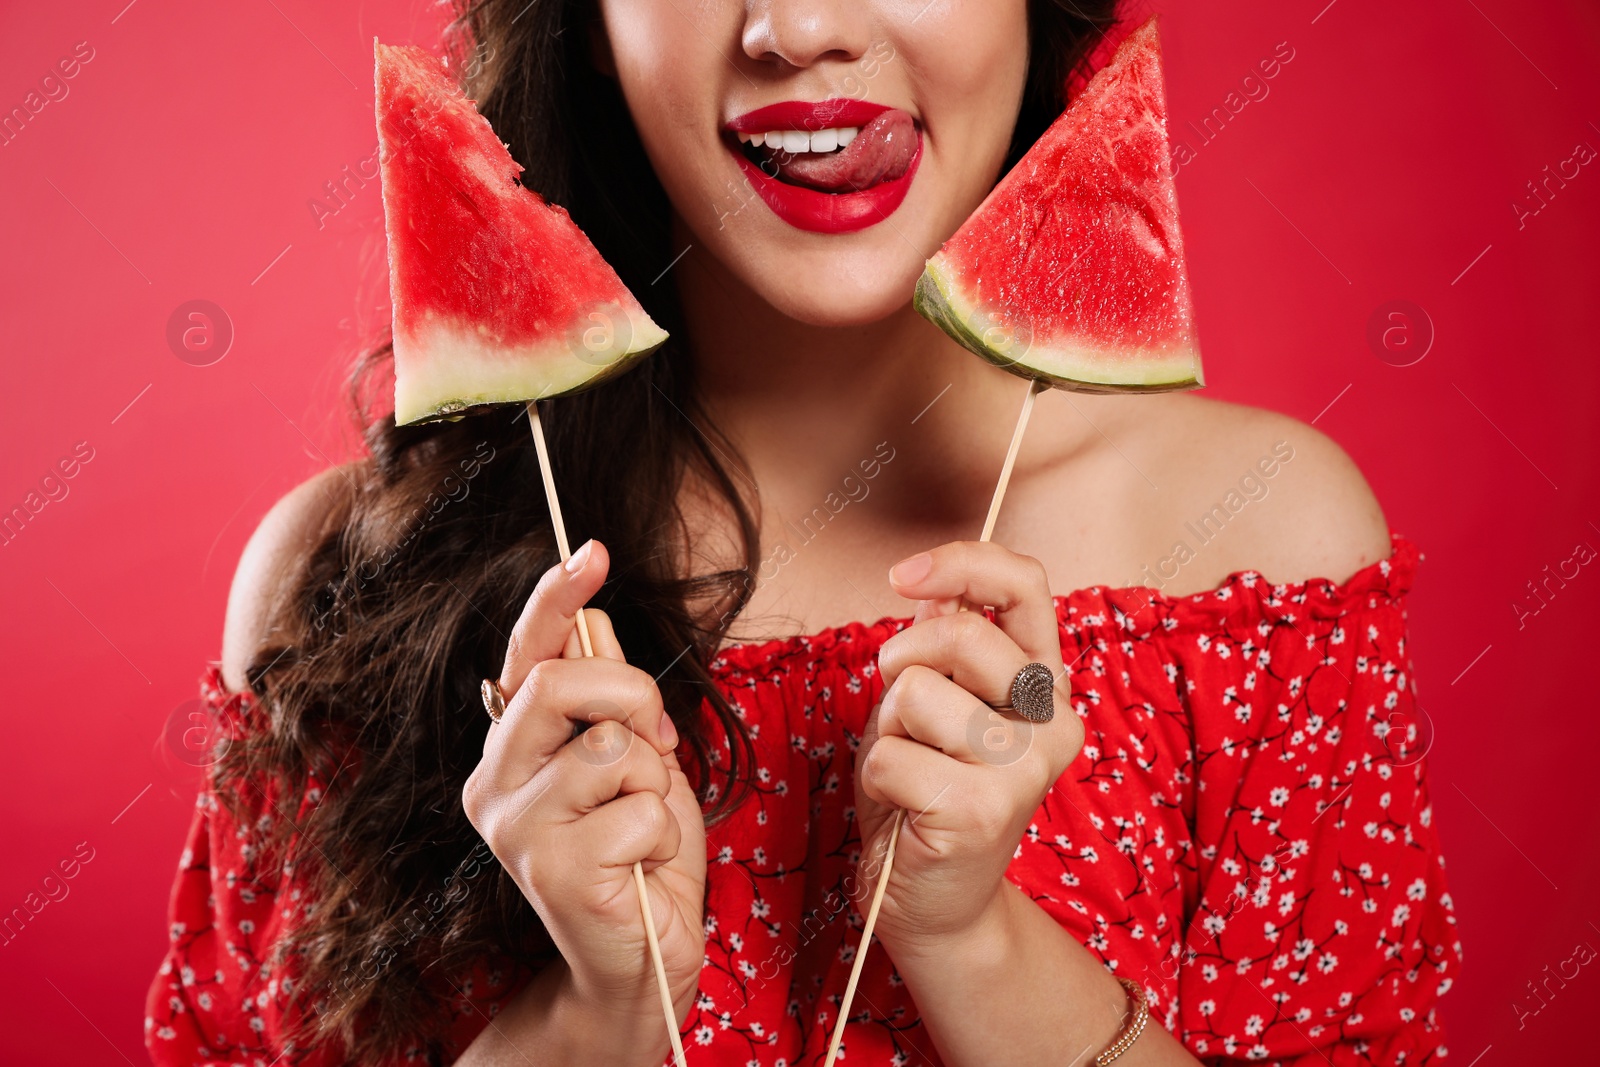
column 800, row 115
column 812, row 209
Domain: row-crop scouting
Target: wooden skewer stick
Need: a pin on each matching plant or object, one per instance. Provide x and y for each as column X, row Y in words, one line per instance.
column 866, row 938
column 1034, row 389
column 588, row 650
column 555, row 510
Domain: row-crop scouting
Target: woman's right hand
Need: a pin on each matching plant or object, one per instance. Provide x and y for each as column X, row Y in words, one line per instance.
column 568, row 816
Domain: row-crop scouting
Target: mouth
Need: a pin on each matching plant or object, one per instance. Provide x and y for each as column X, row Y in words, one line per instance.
column 831, row 167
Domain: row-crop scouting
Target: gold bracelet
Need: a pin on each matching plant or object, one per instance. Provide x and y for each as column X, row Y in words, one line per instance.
column 1139, row 1015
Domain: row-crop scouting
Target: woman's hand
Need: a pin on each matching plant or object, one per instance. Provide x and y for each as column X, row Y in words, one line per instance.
column 969, row 777
column 568, row 815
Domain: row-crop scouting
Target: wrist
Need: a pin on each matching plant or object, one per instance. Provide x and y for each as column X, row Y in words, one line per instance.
column 973, row 949
column 1009, row 965
column 602, row 1028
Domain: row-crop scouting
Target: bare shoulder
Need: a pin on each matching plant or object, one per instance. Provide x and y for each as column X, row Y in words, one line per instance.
column 1279, row 496
column 271, row 561
column 1186, row 491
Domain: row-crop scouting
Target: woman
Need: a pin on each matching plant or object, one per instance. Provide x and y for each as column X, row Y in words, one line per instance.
column 1235, row 819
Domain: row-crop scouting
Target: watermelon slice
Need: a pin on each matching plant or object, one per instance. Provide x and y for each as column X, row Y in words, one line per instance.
column 498, row 296
column 1071, row 271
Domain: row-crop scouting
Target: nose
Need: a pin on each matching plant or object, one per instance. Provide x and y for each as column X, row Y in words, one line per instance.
column 801, row 33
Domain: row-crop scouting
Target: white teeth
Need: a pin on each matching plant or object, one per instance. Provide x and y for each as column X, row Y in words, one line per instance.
column 796, row 142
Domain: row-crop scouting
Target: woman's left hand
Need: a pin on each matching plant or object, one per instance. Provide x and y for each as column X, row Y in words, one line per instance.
column 969, row 777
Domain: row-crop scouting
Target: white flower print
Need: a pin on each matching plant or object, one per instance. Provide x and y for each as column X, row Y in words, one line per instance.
column 1170, row 749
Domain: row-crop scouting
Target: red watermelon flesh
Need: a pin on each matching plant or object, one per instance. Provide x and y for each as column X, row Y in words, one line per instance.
column 1071, row 272
column 498, row 296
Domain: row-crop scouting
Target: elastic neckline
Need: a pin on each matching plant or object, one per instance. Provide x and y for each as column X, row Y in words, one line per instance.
column 1084, row 615
column 1128, row 611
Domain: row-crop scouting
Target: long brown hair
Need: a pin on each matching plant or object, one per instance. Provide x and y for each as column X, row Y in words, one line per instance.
column 406, row 601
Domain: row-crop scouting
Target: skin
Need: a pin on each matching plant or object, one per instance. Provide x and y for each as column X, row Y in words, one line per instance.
column 1104, row 488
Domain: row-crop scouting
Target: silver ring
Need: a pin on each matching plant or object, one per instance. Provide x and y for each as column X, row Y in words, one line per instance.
column 493, row 702
column 1033, row 693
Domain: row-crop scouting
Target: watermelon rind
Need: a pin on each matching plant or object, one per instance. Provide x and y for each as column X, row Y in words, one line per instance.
column 498, row 296
column 459, row 371
column 1078, row 368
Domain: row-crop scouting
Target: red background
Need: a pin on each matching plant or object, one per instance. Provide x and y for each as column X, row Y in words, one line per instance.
column 1382, row 165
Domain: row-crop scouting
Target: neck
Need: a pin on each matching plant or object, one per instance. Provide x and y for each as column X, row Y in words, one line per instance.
column 801, row 402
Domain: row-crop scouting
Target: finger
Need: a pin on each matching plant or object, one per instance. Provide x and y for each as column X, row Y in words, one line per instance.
column 548, row 617
column 604, row 762
column 634, row 828
column 967, row 648
column 602, row 638
column 936, row 609
column 980, row 572
column 561, row 693
column 928, row 708
column 902, row 773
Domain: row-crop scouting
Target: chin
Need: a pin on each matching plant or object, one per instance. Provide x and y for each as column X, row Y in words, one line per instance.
column 831, row 280
column 835, row 286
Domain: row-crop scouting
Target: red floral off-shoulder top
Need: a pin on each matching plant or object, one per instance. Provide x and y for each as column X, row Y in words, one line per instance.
column 1247, row 833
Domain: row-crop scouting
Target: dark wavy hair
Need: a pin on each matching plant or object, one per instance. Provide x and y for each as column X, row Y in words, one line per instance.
column 407, row 597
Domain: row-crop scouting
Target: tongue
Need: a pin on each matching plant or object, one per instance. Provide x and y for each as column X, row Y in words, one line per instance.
column 881, row 152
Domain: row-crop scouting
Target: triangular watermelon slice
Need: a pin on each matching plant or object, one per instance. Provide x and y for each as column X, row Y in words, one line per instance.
column 498, row 296
column 1071, row 271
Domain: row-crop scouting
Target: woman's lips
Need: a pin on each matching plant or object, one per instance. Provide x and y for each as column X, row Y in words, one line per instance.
column 804, row 115
column 836, row 191
column 881, row 152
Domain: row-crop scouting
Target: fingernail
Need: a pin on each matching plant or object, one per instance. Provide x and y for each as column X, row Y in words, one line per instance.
column 669, row 732
column 576, row 561
column 911, row 570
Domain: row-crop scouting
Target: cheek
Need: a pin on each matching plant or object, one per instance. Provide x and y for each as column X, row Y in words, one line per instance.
column 978, row 49
column 652, row 51
column 970, row 68
column 668, row 70
column 968, row 62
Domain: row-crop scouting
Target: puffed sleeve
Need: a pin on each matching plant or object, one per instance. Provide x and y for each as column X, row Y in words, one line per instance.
column 1323, row 932
column 180, row 1006
column 221, row 996
column 212, row 1001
